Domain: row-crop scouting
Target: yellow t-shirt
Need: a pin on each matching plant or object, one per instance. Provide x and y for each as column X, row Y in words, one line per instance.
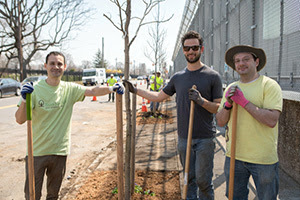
column 255, row 142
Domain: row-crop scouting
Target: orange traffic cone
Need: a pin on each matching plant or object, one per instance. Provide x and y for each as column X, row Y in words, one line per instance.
column 144, row 107
column 94, row 98
column 148, row 101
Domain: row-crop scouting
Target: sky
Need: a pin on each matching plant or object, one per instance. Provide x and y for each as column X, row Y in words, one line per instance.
column 89, row 39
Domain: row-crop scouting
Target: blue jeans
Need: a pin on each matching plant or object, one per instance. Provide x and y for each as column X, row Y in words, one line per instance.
column 201, row 167
column 156, row 105
column 265, row 178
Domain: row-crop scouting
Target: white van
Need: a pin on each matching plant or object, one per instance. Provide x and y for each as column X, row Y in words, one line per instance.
column 94, row 76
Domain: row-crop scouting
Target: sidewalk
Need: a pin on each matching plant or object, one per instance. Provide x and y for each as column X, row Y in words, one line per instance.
column 156, row 149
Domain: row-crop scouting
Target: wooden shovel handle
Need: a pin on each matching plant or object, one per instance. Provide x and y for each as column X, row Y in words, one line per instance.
column 188, row 149
column 30, row 148
column 232, row 151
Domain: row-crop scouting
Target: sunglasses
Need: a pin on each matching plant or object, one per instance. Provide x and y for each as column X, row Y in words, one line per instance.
column 194, row 48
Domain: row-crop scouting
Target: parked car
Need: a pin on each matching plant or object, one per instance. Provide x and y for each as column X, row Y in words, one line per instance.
column 117, row 78
column 33, row 79
column 9, row 86
column 123, row 78
column 140, row 78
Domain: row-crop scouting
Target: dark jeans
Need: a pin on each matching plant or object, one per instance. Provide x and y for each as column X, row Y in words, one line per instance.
column 111, row 95
column 266, row 179
column 201, row 167
column 153, row 103
column 55, row 167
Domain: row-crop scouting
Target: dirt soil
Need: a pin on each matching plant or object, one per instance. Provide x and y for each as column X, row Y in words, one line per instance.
column 156, row 185
column 148, row 185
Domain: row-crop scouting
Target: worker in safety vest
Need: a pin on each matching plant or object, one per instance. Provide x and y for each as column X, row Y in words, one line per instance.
column 110, row 82
column 159, row 84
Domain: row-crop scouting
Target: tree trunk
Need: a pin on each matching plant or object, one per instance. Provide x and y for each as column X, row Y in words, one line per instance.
column 127, row 104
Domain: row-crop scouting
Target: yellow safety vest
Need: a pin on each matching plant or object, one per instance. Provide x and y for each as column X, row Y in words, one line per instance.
column 111, row 81
column 159, row 83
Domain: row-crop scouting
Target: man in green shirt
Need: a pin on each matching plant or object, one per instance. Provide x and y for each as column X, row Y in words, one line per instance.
column 52, row 106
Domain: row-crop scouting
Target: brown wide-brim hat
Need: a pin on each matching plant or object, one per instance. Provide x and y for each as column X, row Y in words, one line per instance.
column 259, row 53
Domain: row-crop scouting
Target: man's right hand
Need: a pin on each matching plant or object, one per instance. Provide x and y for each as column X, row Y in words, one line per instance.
column 26, row 89
column 230, row 92
column 129, row 86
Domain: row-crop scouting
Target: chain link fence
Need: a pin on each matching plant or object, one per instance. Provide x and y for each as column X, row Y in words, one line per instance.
column 273, row 25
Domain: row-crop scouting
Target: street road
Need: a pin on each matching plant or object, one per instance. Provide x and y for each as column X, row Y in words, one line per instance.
column 93, row 128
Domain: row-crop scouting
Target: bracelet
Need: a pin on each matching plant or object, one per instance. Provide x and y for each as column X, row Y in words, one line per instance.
column 226, row 107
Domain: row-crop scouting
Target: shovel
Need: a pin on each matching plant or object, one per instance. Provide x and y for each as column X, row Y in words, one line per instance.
column 30, row 148
column 188, row 149
column 232, row 150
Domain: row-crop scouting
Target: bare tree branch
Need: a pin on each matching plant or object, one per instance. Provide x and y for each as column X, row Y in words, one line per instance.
column 124, row 14
column 42, row 23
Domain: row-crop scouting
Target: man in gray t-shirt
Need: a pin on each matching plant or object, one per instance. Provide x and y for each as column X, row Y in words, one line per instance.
column 209, row 85
column 207, row 98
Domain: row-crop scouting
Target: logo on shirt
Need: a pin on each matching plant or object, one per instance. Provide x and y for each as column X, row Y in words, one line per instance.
column 41, row 103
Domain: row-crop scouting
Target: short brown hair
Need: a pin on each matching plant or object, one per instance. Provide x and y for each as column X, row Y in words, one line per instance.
column 55, row 53
column 192, row 35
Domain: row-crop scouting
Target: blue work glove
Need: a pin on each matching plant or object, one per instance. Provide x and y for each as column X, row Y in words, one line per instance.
column 117, row 87
column 26, row 89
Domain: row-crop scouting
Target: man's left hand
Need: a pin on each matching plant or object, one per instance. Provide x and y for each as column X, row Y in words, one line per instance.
column 117, row 87
column 195, row 96
column 239, row 98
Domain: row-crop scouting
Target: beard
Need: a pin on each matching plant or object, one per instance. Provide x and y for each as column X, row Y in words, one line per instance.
column 196, row 59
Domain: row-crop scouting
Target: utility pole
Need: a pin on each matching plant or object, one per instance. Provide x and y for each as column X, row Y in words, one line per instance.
column 134, row 67
column 102, row 52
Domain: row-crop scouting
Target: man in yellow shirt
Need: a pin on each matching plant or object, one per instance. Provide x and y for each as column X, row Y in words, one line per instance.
column 259, row 101
column 110, row 82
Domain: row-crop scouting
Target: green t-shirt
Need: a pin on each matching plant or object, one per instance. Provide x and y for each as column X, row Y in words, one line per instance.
column 255, row 142
column 52, row 108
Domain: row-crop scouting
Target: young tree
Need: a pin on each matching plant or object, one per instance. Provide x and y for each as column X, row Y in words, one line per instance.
column 98, row 60
column 124, row 20
column 85, row 64
column 157, row 53
column 24, row 25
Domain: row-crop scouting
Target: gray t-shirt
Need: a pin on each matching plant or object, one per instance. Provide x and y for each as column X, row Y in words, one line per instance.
column 209, row 85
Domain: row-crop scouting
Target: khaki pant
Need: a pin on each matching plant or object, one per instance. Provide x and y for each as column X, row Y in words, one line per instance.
column 55, row 167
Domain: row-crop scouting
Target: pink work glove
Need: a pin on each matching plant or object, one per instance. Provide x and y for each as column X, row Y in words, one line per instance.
column 238, row 97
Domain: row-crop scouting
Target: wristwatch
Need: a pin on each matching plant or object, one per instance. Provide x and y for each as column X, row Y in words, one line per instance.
column 226, row 108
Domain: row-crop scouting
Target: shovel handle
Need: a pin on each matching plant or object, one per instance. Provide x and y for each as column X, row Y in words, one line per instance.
column 232, row 152
column 188, row 149
column 30, row 148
